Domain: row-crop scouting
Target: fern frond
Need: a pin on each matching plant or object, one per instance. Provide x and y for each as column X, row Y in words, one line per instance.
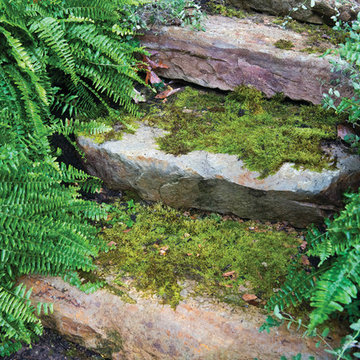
column 337, row 287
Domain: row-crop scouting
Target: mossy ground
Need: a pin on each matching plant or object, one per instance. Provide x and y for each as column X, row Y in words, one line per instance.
column 160, row 248
column 263, row 133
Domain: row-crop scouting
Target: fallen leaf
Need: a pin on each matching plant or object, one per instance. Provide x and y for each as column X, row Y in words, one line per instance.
column 303, row 245
column 305, row 260
column 344, row 130
column 229, row 273
column 168, row 92
column 249, row 297
column 228, row 285
column 126, row 231
column 112, row 243
column 153, row 64
column 152, row 78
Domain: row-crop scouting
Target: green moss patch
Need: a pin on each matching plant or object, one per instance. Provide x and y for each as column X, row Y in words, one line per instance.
column 262, row 133
column 215, row 8
column 160, row 248
column 284, row 44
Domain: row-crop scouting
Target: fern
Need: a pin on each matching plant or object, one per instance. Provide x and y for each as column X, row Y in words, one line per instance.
column 74, row 41
column 58, row 59
column 336, row 283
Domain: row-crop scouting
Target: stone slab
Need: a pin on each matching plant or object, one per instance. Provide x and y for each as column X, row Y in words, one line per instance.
column 232, row 52
column 198, row 329
column 220, row 182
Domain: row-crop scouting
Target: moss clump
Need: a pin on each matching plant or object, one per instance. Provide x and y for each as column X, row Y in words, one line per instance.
column 284, row 44
column 227, row 10
column 163, row 248
column 263, row 133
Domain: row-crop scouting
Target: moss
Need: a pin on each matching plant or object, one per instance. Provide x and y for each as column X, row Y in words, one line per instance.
column 163, row 248
column 319, row 37
column 284, row 44
column 263, row 133
column 120, row 122
column 225, row 10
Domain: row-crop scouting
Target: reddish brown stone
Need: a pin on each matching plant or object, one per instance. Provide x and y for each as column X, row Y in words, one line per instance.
column 197, row 329
column 233, row 52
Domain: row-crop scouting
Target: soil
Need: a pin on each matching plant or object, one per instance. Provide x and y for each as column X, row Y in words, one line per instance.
column 52, row 346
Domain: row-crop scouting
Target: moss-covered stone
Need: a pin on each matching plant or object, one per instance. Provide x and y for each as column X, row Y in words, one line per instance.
column 163, row 248
column 263, row 133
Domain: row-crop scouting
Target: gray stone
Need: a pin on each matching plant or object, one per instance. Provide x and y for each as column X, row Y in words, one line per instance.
column 198, row 329
column 318, row 14
column 220, row 182
column 232, row 52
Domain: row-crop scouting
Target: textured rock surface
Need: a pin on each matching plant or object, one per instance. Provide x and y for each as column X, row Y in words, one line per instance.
column 233, row 52
column 219, row 182
column 321, row 12
column 197, row 329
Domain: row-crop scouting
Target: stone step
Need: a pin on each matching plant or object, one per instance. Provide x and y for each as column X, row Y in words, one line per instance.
column 220, row 182
column 198, row 329
column 233, row 52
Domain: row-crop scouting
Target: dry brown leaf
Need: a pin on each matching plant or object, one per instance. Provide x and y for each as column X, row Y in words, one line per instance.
column 344, row 130
column 166, row 93
column 112, row 243
column 249, row 297
column 305, row 260
column 152, row 78
column 229, row 273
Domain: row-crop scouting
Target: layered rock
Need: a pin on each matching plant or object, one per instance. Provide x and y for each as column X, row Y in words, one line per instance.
column 144, row 329
column 220, row 182
column 233, row 52
column 321, row 12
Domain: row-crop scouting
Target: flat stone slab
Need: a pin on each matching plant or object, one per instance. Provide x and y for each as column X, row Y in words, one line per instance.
column 143, row 330
column 220, row 182
column 232, row 52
